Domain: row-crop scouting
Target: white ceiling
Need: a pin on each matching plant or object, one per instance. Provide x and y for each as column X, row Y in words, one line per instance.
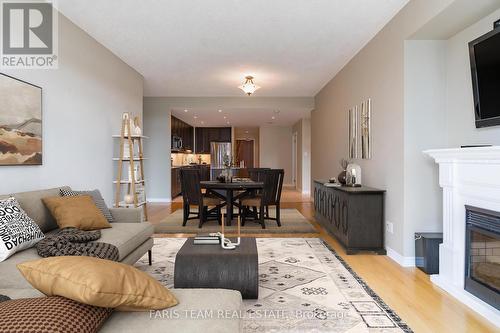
column 206, row 47
column 240, row 117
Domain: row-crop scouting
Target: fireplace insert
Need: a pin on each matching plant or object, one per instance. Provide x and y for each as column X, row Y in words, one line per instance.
column 482, row 254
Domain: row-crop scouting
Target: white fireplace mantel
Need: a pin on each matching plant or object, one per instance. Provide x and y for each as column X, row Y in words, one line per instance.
column 468, row 176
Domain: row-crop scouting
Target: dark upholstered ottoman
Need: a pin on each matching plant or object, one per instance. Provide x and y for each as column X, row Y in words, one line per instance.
column 210, row 266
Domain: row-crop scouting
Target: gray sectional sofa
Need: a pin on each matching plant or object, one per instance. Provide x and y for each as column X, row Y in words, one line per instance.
column 133, row 238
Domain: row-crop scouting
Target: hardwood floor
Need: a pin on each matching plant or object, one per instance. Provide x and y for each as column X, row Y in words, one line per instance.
column 408, row 291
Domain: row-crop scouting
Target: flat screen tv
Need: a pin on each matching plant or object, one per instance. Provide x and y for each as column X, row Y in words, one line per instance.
column 485, row 66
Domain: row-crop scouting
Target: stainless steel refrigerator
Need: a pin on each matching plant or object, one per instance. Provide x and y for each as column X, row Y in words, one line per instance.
column 219, row 151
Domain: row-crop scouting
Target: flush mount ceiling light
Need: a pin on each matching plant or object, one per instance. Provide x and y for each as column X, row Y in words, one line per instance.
column 249, row 87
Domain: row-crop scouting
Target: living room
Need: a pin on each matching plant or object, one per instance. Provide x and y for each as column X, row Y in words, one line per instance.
column 187, row 166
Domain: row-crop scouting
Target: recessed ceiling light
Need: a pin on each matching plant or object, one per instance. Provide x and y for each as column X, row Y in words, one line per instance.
column 273, row 117
column 202, row 122
column 185, row 110
column 220, row 111
column 195, row 117
column 228, row 123
column 225, row 117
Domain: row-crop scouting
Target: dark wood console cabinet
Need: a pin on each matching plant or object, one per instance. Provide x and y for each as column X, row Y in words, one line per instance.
column 354, row 215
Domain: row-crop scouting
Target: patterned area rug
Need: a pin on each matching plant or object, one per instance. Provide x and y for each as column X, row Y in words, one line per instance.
column 304, row 287
column 291, row 222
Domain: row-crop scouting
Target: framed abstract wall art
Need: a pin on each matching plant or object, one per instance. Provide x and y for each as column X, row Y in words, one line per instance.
column 366, row 131
column 353, row 132
column 20, row 122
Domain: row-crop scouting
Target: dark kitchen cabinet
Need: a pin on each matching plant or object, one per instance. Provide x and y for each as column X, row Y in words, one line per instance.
column 354, row 215
column 205, row 135
column 175, row 182
column 184, row 131
column 225, row 134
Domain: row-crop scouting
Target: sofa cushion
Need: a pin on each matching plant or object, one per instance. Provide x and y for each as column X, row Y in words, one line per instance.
column 10, row 277
column 32, row 204
column 184, row 317
column 14, row 293
column 127, row 236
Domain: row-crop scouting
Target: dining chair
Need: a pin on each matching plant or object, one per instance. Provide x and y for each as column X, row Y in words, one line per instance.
column 270, row 196
column 257, row 175
column 193, row 196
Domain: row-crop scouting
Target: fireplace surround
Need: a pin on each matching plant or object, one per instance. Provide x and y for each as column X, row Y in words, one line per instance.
column 468, row 177
column 482, row 254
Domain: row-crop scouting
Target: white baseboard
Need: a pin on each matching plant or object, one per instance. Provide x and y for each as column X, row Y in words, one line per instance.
column 159, row 200
column 401, row 260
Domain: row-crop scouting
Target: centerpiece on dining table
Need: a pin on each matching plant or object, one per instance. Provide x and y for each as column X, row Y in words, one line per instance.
column 226, row 176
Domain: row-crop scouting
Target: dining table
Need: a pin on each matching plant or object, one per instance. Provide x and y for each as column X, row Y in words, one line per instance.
column 226, row 191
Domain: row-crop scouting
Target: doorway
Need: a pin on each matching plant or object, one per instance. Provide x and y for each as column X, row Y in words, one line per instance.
column 245, row 153
column 294, row 159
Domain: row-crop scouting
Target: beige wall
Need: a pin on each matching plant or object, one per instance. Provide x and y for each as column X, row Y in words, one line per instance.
column 249, row 133
column 303, row 130
column 82, row 104
column 422, row 99
column 297, row 128
column 306, row 155
column 425, row 102
column 376, row 72
column 276, row 149
column 158, row 169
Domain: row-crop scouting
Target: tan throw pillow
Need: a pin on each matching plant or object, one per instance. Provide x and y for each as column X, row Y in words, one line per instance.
column 97, row 282
column 78, row 212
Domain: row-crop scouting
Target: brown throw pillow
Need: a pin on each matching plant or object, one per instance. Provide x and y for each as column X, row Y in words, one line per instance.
column 78, row 212
column 97, row 282
column 51, row 314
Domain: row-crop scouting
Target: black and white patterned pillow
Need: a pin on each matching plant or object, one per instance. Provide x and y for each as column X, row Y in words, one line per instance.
column 96, row 197
column 17, row 230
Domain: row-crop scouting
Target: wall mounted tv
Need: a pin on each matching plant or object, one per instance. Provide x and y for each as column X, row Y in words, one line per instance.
column 485, row 66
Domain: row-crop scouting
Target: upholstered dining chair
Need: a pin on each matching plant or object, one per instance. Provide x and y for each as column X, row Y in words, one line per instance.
column 193, row 196
column 270, row 196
